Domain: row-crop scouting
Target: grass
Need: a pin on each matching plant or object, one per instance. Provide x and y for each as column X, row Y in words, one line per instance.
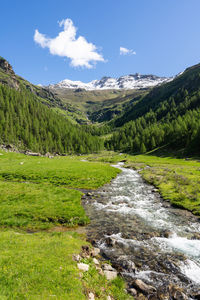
column 35, row 191
column 178, row 180
column 39, row 206
column 61, row 171
column 38, row 194
column 40, row 266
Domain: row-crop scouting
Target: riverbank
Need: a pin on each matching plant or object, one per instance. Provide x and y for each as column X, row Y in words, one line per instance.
column 177, row 180
column 40, row 209
column 154, row 246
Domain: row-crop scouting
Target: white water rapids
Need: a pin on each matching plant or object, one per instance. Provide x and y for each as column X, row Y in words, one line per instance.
column 128, row 197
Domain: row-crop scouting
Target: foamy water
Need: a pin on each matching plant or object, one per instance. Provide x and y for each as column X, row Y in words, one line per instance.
column 128, row 196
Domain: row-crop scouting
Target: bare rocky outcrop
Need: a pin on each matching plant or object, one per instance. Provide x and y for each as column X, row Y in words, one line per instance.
column 4, row 64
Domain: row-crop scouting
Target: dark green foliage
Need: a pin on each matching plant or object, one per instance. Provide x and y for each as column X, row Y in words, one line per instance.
column 97, row 130
column 182, row 93
column 168, row 115
column 28, row 124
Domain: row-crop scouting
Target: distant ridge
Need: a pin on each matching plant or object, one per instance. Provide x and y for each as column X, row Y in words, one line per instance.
column 127, row 82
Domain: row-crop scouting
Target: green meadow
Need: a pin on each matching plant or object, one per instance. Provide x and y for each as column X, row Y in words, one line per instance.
column 40, row 208
column 178, row 180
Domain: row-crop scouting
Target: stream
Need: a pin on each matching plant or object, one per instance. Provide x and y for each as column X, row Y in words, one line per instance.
column 145, row 238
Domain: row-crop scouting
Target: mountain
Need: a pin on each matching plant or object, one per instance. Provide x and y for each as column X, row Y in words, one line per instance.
column 102, row 100
column 130, row 120
column 44, row 95
column 167, row 116
column 31, row 119
column 128, row 82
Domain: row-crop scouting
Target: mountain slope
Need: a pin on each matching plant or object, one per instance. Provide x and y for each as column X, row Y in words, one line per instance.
column 102, row 100
column 183, row 85
column 98, row 105
column 44, row 95
column 28, row 122
column 167, row 115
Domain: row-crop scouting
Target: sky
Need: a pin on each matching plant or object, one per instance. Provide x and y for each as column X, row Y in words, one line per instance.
column 48, row 41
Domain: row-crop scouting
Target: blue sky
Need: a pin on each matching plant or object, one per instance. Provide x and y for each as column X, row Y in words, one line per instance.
column 165, row 34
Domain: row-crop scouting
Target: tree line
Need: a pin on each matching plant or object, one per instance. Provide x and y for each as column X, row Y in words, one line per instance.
column 174, row 122
column 29, row 124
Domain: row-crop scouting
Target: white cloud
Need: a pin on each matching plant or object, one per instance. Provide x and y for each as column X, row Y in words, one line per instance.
column 66, row 44
column 125, row 51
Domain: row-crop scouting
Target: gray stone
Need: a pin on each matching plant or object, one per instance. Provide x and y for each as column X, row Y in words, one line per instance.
column 108, row 267
column 139, row 284
column 96, row 262
column 110, row 275
column 132, row 292
column 83, row 267
column 95, row 251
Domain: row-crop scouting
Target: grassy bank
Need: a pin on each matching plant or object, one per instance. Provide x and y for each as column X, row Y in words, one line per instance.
column 178, row 180
column 38, row 194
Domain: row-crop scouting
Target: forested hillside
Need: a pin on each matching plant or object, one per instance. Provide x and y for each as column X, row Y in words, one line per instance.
column 168, row 115
column 136, row 121
column 29, row 124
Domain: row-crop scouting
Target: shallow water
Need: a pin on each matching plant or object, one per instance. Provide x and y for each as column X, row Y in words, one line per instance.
column 136, row 219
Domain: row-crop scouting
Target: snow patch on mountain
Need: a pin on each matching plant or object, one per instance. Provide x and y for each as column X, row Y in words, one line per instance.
column 135, row 81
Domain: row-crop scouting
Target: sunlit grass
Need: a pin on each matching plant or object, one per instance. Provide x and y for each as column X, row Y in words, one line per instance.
column 66, row 171
column 37, row 194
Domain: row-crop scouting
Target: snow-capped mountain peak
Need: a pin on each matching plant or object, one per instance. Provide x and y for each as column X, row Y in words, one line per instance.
column 132, row 81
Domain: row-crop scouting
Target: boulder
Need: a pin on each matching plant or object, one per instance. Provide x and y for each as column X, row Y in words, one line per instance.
column 128, row 265
column 145, row 288
column 132, row 292
column 110, row 275
column 95, row 252
column 83, row 267
column 95, row 261
column 33, row 153
column 108, row 267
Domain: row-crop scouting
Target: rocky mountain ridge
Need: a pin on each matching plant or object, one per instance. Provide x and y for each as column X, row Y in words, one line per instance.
column 127, row 82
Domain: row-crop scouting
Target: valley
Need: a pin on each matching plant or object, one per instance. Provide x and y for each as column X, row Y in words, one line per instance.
column 115, row 168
